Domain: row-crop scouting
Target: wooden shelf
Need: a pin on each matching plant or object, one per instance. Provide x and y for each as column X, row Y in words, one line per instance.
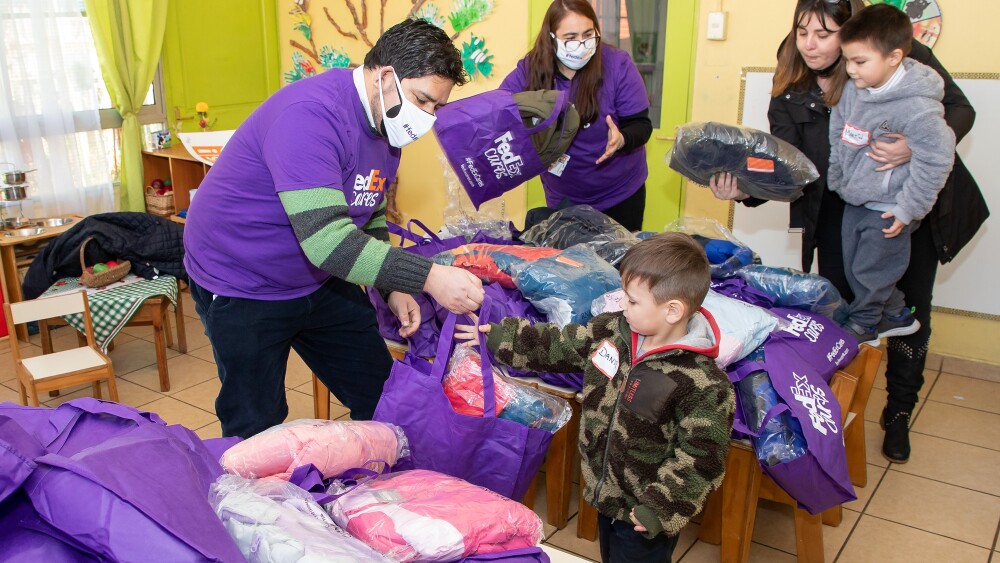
column 185, row 171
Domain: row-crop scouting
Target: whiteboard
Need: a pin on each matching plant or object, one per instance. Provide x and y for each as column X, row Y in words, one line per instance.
column 962, row 285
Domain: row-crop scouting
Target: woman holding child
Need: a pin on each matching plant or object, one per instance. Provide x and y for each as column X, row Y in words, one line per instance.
column 809, row 80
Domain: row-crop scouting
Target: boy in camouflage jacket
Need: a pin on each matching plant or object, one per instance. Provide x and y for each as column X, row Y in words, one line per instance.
column 657, row 412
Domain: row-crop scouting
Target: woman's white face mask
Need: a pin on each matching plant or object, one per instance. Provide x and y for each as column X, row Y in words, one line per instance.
column 577, row 54
column 408, row 123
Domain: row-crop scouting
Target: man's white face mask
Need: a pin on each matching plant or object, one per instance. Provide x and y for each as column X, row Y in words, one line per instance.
column 408, row 123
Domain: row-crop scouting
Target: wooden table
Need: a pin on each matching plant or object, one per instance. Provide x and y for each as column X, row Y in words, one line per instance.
column 9, row 262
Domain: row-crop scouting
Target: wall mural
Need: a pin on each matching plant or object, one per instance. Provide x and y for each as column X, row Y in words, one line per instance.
column 361, row 31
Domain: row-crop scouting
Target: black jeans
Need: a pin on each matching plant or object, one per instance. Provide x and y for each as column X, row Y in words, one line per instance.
column 620, row 543
column 333, row 330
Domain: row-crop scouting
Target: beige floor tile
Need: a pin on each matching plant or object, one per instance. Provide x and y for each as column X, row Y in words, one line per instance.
column 10, row 393
column 775, row 527
column 135, row 354
column 209, row 431
column 7, row 371
column 300, row 405
column 970, row 368
column 936, row 507
column 702, row 552
column 875, row 474
column 338, row 411
column 297, row 372
column 128, row 393
column 202, row 395
column 189, row 310
column 566, row 539
column 967, row 392
column 178, row 412
column 541, row 507
column 194, row 333
column 930, row 376
column 205, row 353
column 934, row 361
column 876, row 402
column 184, row 371
column 960, row 424
column 879, row 540
column 943, row 460
column 873, row 444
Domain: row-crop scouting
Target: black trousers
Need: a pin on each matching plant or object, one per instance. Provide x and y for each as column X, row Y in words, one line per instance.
column 333, row 330
column 620, row 543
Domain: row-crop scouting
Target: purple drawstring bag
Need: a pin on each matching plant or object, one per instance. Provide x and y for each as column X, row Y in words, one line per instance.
column 501, row 455
column 818, row 480
column 488, row 145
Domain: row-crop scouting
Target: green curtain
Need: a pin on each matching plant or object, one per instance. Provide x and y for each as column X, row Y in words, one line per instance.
column 128, row 35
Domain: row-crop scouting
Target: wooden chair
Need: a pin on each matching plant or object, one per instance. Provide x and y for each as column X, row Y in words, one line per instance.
column 48, row 372
column 730, row 512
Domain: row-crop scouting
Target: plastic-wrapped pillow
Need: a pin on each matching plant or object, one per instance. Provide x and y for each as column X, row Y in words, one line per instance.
column 792, row 288
column 564, row 286
column 333, row 446
column 582, row 224
column 765, row 166
column 744, row 327
column 274, row 520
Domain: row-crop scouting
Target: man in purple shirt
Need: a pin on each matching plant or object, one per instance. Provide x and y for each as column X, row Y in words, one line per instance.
column 291, row 220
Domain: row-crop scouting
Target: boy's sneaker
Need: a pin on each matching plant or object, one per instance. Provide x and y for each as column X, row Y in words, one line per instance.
column 902, row 324
column 864, row 335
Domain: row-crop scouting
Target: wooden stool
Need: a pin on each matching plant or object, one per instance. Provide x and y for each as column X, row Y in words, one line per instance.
column 321, row 395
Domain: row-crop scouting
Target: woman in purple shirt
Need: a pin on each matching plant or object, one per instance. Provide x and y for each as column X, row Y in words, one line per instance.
column 605, row 167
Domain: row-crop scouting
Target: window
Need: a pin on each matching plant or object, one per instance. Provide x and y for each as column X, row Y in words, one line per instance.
column 639, row 28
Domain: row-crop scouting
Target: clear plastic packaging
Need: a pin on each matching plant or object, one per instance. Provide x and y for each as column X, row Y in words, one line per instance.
column 744, row 327
column 781, row 440
column 462, row 218
column 333, row 446
column 765, row 166
column 582, row 224
column 792, row 288
column 275, row 521
column 492, row 262
column 726, row 254
column 563, row 287
column 426, row 516
column 463, row 385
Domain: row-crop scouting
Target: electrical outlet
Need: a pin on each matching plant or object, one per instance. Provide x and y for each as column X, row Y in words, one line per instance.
column 716, row 26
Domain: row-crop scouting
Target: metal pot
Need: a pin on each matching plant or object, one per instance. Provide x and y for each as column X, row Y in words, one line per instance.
column 15, row 177
column 18, row 222
column 12, row 193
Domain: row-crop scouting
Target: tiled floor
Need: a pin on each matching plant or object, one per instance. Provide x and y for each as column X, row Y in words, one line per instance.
column 944, row 505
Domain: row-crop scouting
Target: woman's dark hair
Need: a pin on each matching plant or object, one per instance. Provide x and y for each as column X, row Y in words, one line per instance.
column 416, row 48
column 792, row 72
column 542, row 59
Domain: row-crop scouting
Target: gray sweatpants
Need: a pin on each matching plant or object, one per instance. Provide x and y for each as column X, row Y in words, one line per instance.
column 874, row 264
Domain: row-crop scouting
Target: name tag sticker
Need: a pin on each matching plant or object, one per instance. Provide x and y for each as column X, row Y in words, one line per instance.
column 855, row 135
column 606, row 359
column 557, row 167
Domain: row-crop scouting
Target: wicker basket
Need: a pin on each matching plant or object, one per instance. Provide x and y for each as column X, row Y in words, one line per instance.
column 102, row 279
column 159, row 204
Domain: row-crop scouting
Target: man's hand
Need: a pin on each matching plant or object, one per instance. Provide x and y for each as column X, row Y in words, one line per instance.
column 454, row 288
column 724, row 186
column 406, row 310
column 892, row 154
column 468, row 335
column 895, row 229
column 615, row 141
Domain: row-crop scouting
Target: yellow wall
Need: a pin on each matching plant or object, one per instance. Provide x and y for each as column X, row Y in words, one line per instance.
column 754, row 31
column 422, row 192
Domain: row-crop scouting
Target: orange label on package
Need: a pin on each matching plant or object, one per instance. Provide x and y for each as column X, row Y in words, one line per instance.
column 568, row 261
column 760, row 165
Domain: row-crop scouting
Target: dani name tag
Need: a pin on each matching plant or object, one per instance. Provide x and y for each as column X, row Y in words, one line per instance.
column 606, row 359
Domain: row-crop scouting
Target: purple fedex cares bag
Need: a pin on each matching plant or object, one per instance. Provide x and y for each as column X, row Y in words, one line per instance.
column 501, row 455
column 488, row 145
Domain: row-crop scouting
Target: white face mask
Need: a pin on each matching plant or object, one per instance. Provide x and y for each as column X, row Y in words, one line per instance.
column 579, row 56
column 410, row 122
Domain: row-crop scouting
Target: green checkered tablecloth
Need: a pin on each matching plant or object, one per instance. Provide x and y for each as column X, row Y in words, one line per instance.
column 112, row 306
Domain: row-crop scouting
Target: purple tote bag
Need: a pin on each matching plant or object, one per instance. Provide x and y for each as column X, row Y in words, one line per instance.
column 491, row 452
column 488, row 145
column 819, row 479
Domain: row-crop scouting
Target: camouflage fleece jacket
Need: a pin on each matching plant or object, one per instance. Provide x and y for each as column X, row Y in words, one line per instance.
column 654, row 430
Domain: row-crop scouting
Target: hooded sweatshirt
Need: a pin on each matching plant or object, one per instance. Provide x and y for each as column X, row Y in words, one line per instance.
column 654, row 429
column 912, row 107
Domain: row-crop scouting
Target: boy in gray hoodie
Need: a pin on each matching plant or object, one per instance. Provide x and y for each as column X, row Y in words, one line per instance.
column 890, row 94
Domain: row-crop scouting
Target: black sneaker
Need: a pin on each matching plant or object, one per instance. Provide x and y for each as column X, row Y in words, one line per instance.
column 903, row 324
column 864, row 335
column 896, row 444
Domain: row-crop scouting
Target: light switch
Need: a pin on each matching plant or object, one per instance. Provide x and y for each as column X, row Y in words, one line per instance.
column 716, row 26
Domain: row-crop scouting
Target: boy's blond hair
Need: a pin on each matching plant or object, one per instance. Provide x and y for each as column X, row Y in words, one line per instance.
column 673, row 266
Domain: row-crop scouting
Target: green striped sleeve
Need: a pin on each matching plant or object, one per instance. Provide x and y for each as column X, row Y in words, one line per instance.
column 331, row 241
column 376, row 226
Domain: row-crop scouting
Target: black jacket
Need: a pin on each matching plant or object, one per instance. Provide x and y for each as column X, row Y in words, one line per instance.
column 803, row 120
column 152, row 244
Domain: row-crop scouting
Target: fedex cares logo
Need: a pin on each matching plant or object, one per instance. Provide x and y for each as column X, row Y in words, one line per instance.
column 505, row 163
column 368, row 189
